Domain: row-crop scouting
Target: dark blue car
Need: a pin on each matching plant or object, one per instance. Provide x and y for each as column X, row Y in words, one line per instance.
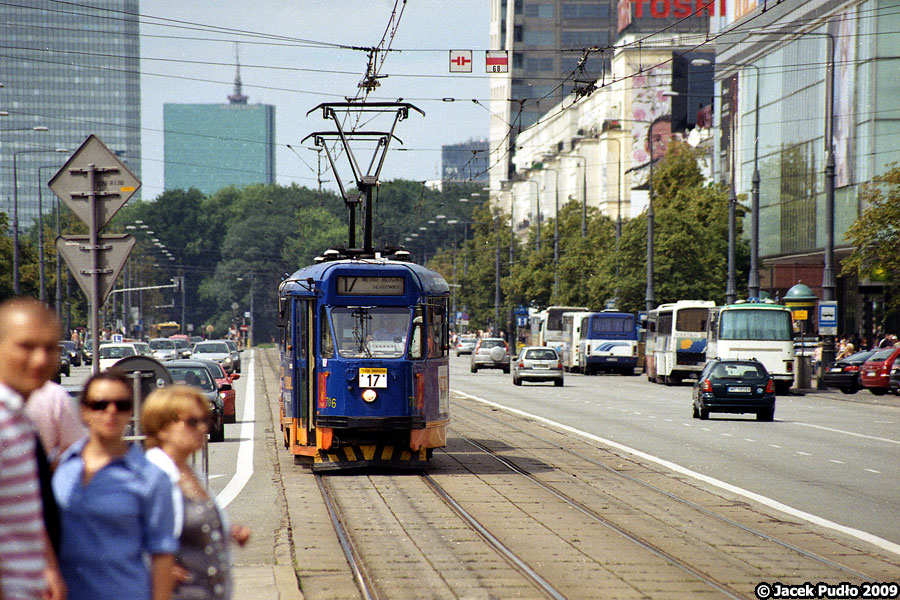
column 734, row 386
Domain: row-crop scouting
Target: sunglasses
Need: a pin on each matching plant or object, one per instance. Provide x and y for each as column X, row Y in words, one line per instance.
column 194, row 422
column 101, row 405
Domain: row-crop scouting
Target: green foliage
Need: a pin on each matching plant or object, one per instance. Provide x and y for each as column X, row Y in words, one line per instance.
column 875, row 236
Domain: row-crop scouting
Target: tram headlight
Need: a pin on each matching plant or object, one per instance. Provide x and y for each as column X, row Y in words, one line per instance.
column 369, row 395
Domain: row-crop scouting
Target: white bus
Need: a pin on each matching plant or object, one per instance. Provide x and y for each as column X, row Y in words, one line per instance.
column 676, row 340
column 552, row 331
column 754, row 330
column 574, row 328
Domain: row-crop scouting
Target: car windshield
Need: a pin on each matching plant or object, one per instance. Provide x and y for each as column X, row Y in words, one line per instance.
column 492, row 344
column 116, row 351
column 541, row 354
column 371, row 331
column 162, row 345
column 194, row 376
column 738, row 371
column 211, row 348
column 755, row 324
column 231, row 345
column 182, row 343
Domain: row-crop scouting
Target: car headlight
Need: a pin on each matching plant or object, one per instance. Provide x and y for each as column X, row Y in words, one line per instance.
column 227, row 360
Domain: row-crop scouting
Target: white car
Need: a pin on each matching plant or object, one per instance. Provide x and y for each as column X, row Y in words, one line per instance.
column 217, row 351
column 110, row 354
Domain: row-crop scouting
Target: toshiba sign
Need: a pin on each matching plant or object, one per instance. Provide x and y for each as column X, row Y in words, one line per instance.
column 629, row 10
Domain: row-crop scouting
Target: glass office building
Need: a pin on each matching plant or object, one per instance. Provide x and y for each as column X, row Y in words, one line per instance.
column 74, row 70
column 210, row 146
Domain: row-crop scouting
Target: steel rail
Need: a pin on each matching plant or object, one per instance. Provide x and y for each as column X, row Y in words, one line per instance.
column 366, row 588
column 492, row 540
column 761, row 534
column 655, row 550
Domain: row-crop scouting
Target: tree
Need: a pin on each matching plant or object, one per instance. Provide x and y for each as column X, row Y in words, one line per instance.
column 875, row 235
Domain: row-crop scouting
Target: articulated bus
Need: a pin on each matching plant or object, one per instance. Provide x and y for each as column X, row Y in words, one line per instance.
column 552, row 330
column 676, row 340
column 754, row 330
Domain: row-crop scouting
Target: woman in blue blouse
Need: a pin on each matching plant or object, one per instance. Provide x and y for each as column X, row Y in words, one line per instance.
column 116, row 507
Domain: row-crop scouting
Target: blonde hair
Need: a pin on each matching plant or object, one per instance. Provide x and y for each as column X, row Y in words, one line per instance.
column 166, row 405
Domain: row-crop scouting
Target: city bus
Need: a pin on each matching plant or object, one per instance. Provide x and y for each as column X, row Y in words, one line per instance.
column 551, row 331
column 608, row 342
column 161, row 330
column 573, row 322
column 676, row 340
column 758, row 330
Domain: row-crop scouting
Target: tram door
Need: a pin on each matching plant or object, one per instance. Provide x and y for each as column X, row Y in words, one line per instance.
column 305, row 363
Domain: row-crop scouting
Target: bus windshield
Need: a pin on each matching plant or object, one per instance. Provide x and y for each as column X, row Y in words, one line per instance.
column 749, row 324
column 371, row 332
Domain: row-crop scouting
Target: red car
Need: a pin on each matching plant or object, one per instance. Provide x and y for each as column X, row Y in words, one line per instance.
column 875, row 373
column 225, row 383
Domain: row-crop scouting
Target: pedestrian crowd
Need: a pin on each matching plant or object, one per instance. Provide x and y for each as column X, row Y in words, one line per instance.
column 85, row 515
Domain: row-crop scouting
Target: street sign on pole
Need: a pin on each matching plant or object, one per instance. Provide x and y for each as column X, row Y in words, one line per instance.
column 114, row 250
column 496, row 61
column 114, row 183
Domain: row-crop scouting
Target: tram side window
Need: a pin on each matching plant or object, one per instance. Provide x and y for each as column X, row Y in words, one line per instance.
column 326, row 342
column 437, row 314
column 415, row 343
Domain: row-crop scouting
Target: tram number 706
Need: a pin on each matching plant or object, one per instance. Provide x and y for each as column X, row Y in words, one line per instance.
column 373, row 378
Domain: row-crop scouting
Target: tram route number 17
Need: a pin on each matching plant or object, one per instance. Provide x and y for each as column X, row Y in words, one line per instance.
column 373, row 378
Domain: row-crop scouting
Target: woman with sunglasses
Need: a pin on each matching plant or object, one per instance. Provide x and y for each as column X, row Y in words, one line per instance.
column 176, row 421
column 115, row 506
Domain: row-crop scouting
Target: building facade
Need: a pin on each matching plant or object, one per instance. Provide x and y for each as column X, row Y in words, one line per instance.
column 467, row 161
column 211, row 146
column 788, row 51
column 68, row 71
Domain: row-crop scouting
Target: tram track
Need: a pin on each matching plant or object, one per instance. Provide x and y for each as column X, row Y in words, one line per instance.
column 882, row 566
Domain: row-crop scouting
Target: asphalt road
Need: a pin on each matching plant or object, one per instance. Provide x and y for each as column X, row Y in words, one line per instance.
column 826, row 454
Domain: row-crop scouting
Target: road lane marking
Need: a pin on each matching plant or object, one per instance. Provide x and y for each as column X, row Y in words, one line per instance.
column 725, row 434
column 873, row 471
column 774, row 446
column 748, row 440
column 862, row 435
column 244, row 467
column 804, row 453
column 835, row 461
column 774, row 504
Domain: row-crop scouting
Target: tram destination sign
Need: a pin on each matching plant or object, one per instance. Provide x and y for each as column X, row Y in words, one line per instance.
column 348, row 285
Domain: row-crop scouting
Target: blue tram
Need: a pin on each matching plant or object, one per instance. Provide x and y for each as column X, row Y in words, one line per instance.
column 364, row 362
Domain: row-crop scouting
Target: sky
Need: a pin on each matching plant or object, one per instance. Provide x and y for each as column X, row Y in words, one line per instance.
column 183, row 61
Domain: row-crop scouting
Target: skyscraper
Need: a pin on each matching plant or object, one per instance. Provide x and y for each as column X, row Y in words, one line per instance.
column 210, row 146
column 74, row 70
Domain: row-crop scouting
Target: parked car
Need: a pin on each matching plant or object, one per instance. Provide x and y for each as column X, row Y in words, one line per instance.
column 734, row 386
column 465, row 344
column 894, row 383
column 235, row 355
column 537, row 363
column 73, row 351
column 490, row 353
column 199, row 374
column 844, row 374
column 875, row 373
column 216, row 350
column 164, row 349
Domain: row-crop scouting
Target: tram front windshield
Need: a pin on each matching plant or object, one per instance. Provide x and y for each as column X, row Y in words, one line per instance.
column 371, row 331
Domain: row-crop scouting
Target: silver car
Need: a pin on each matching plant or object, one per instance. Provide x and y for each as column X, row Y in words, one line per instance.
column 490, row 353
column 217, row 351
column 164, row 349
column 466, row 344
column 537, row 363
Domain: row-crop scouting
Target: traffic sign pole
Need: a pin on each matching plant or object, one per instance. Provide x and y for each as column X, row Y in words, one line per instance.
column 95, row 268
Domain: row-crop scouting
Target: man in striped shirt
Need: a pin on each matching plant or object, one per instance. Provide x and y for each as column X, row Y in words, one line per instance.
column 29, row 351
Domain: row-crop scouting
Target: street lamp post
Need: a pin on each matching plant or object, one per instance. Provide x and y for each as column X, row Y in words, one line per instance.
column 650, row 296
column 555, row 229
column 583, row 193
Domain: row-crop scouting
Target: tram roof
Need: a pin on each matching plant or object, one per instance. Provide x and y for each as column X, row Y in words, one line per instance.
column 430, row 281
